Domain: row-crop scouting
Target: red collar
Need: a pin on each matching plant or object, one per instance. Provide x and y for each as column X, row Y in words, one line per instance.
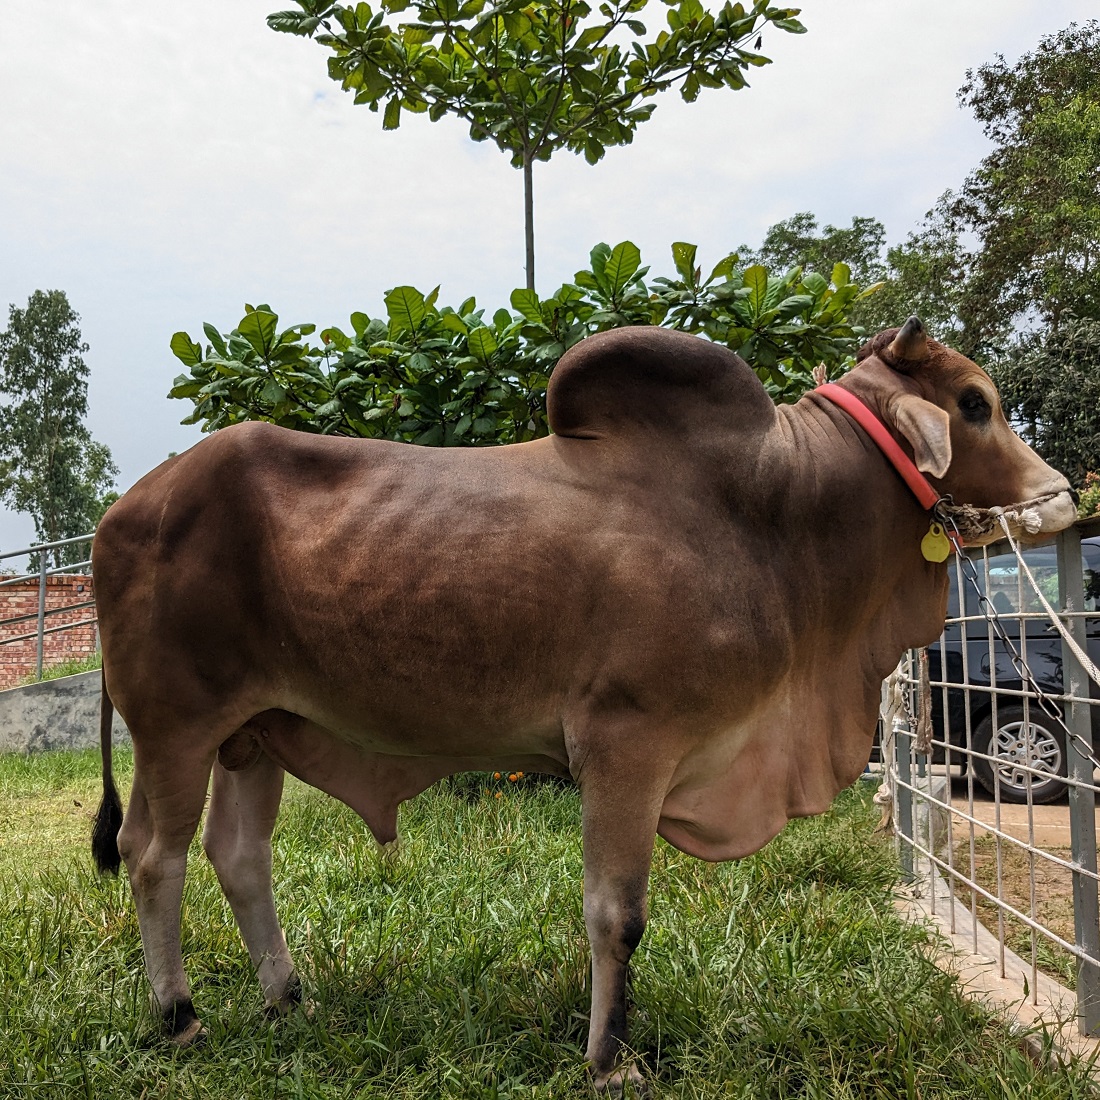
column 870, row 423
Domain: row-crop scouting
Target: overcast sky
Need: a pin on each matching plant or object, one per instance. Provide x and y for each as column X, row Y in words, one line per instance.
column 163, row 164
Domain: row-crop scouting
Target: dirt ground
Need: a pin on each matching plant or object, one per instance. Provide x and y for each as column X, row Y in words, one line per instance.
column 1026, row 879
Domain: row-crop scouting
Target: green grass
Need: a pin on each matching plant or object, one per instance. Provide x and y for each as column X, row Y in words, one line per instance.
column 65, row 668
column 460, row 970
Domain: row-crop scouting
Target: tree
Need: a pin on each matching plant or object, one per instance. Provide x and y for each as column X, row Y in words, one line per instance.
column 925, row 275
column 797, row 242
column 50, row 467
column 1050, row 384
column 534, row 76
column 1033, row 204
column 432, row 374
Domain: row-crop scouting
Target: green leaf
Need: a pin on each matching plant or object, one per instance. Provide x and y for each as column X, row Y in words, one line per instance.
column 272, row 393
column 335, row 337
column 621, row 265
column 432, row 437
column 526, row 303
column 258, row 328
column 842, row 275
column 816, row 284
column 481, row 343
column 405, row 308
column 683, row 256
column 391, row 119
column 185, row 349
column 215, row 339
column 186, row 387
column 756, row 279
column 291, row 22
column 359, row 322
column 724, row 268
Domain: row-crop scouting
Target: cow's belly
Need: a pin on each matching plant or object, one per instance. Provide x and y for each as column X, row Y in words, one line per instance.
column 431, row 720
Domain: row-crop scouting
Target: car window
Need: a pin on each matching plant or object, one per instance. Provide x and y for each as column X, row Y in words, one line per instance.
column 1010, row 593
column 1091, row 555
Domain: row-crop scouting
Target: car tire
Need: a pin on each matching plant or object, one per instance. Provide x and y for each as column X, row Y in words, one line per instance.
column 1007, row 743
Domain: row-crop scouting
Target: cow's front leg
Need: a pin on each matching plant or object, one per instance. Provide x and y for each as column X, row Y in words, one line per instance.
column 620, row 826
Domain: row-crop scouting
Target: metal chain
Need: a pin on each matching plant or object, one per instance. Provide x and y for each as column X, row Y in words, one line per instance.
column 1048, row 705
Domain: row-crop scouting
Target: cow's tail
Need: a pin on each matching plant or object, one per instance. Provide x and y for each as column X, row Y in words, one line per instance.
column 108, row 818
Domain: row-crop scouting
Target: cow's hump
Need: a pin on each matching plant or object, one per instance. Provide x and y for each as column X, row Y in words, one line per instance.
column 652, row 380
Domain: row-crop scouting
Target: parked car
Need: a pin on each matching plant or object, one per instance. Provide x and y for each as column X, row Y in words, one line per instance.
column 1017, row 735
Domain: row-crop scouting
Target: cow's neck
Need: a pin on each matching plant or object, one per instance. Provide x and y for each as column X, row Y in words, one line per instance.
column 844, row 495
column 876, row 595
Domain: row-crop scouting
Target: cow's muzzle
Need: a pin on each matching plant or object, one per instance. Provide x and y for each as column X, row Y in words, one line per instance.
column 1029, row 521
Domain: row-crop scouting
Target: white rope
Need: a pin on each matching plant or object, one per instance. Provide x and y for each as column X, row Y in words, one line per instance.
column 1078, row 652
column 892, row 712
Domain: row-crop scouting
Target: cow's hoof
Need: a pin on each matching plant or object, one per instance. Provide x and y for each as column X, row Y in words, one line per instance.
column 183, row 1027
column 193, row 1035
column 626, row 1082
column 284, row 1009
column 289, row 1002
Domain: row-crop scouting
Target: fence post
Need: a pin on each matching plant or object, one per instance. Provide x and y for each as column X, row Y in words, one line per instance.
column 1082, row 799
column 903, row 759
column 43, row 561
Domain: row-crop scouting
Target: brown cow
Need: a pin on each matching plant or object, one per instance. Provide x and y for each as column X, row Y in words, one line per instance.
column 686, row 599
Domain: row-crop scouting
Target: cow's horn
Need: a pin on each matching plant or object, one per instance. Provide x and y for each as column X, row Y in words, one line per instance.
column 910, row 344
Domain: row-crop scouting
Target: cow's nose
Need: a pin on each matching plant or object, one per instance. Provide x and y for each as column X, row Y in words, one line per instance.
column 1075, row 496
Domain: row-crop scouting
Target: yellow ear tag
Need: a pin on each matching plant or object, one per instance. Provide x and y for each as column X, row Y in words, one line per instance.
column 935, row 546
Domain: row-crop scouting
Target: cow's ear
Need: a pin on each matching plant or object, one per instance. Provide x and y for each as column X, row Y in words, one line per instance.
column 908, row 347
column 928, row 429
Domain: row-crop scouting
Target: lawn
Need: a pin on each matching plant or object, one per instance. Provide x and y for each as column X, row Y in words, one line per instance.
column 460, row 969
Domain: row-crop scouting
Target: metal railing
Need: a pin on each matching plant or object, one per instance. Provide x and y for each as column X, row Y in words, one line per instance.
column 1011, row 767
column 42, row 570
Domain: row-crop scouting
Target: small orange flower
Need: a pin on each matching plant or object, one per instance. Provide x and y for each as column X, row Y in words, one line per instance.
column 496, row 775
column 498, row 794
column 512, row 777
column 519, row 775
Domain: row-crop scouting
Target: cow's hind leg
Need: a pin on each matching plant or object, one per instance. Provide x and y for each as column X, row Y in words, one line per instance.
column 244, row 804
column 165, row 806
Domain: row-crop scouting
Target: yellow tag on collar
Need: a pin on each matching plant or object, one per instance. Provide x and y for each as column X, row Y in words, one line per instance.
column 935, row 546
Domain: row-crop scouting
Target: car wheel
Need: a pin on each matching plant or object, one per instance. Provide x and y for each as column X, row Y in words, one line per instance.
column 1016, row 744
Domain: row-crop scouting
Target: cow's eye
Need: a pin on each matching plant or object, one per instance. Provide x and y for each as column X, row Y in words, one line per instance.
column 974, row 407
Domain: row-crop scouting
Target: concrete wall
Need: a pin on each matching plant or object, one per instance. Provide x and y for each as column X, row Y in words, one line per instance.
column 56, row 714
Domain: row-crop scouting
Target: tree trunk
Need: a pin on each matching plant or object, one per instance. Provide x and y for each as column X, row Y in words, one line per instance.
column 529, row 220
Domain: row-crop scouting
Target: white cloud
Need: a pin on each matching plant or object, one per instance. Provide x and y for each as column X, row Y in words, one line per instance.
column 164, row 164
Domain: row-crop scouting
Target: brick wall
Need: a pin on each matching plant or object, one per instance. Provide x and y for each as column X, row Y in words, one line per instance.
column 19, row 659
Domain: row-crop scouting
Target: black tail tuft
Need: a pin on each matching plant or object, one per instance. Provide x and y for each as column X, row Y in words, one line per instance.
column 108, row 821
column 108, row 818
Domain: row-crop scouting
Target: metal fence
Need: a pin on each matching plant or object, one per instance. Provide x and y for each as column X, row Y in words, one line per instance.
column 38, row 557
column 996, row 819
